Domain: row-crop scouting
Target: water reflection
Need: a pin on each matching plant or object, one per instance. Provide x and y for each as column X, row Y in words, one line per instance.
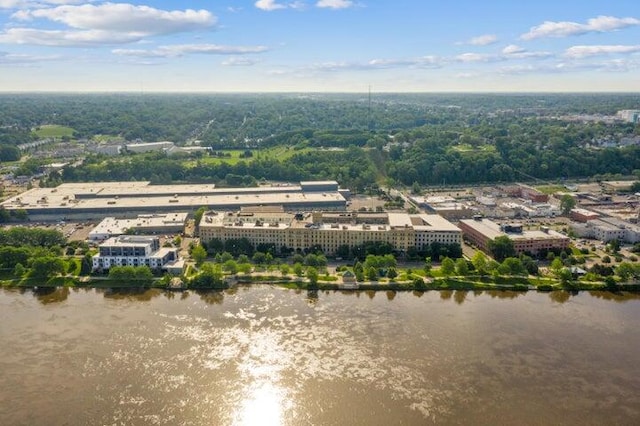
column 263, row 405
column 47, row 295
column 211, row 297
column 137, row 294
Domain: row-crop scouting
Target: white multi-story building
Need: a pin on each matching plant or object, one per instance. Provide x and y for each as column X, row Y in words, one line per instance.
column 607, row 229
column 134, row 250
column 329, row 230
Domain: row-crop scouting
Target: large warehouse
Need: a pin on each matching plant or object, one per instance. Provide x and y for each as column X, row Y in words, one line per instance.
column 329, row 230
column 96, row 200
column 480, row 231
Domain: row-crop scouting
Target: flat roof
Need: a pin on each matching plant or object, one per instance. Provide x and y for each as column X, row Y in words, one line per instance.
column 491, row 230
column 140, row 196
column 418, row 222
column 112, row 225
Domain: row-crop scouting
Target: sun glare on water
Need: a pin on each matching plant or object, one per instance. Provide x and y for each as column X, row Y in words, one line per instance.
column 263, row 405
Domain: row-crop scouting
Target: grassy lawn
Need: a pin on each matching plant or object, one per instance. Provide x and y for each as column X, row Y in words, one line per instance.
column 470, row 149
column 276, row 153
column 53, row 131
column 551, row 189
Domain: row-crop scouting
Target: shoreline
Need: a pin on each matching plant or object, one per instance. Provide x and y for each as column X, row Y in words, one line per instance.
column 438, row 284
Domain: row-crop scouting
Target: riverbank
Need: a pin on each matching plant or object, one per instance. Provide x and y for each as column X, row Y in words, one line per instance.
column 521, row 284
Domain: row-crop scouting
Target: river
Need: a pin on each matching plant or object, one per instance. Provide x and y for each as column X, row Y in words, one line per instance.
column 269, row 356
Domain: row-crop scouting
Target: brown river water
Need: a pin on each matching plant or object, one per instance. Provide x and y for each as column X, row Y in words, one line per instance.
column 269, row 356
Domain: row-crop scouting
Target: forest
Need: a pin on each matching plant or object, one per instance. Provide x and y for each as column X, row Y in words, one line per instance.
column 356, row 139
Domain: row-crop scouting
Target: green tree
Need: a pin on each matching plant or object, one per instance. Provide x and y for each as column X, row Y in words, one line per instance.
column 230, row 266
column 45, row 267
column 197, row 216
column 392, row 273
column 285, row 269
column 19, row 270
column 567, row 203
column 479, row 261
column 461, row 267
column 502, row 247
column 447, row 266
column 312, row 275
column 298, row 269
column 372, row 273
column 199, row 254
column 86, row 265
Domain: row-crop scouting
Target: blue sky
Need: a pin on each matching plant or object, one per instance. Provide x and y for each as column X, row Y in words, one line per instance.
column 320, row 45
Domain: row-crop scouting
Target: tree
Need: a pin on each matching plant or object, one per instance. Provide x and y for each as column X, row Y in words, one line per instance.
column 312, row 275
column 86, row 266
column 479, row 261
column 448, row 266
column 199, row 254
column 427, row 265
column 230, row 266
column 502, row 247
column 462, row 268
column 284, row 269
column 197, row 216
column 567, row 203
column 19, row 270
column 45, row 267
column 514, row 266
column 372, row 273
column 298, row 269
column 392, row 273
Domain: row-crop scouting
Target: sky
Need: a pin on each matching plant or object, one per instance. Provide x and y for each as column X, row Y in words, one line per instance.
column 320, row 46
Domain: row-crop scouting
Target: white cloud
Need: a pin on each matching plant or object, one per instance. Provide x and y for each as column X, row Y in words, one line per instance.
column 123, row 18
column 567, row 28
column 483, row 40
column 177, row 50
column 476, row 57
column 585, row 51
column 22, row 59
column 334, row 4
column 239, row 62
column 269, row 5
column 19, row 4
column 65, row 38
column 513, row 51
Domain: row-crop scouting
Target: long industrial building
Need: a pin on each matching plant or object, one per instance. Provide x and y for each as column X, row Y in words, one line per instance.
column 480, row 231
column 329, row 230
column 80, row 201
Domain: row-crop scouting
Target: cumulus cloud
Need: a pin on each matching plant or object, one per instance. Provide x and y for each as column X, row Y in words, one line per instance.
column 513, row 51
column 334, row 4
column 177, row 50
column 585, row 51
column 123, row 17
column 483, row 40
column 568, row 28
column 269, row 5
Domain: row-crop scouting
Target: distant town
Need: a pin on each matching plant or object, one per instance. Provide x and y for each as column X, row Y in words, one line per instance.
column 389, row 209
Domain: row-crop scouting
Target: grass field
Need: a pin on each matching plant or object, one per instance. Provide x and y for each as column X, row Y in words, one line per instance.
column 551, row 189
column 277, row 153
column 466, row 148
column 53, row 131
